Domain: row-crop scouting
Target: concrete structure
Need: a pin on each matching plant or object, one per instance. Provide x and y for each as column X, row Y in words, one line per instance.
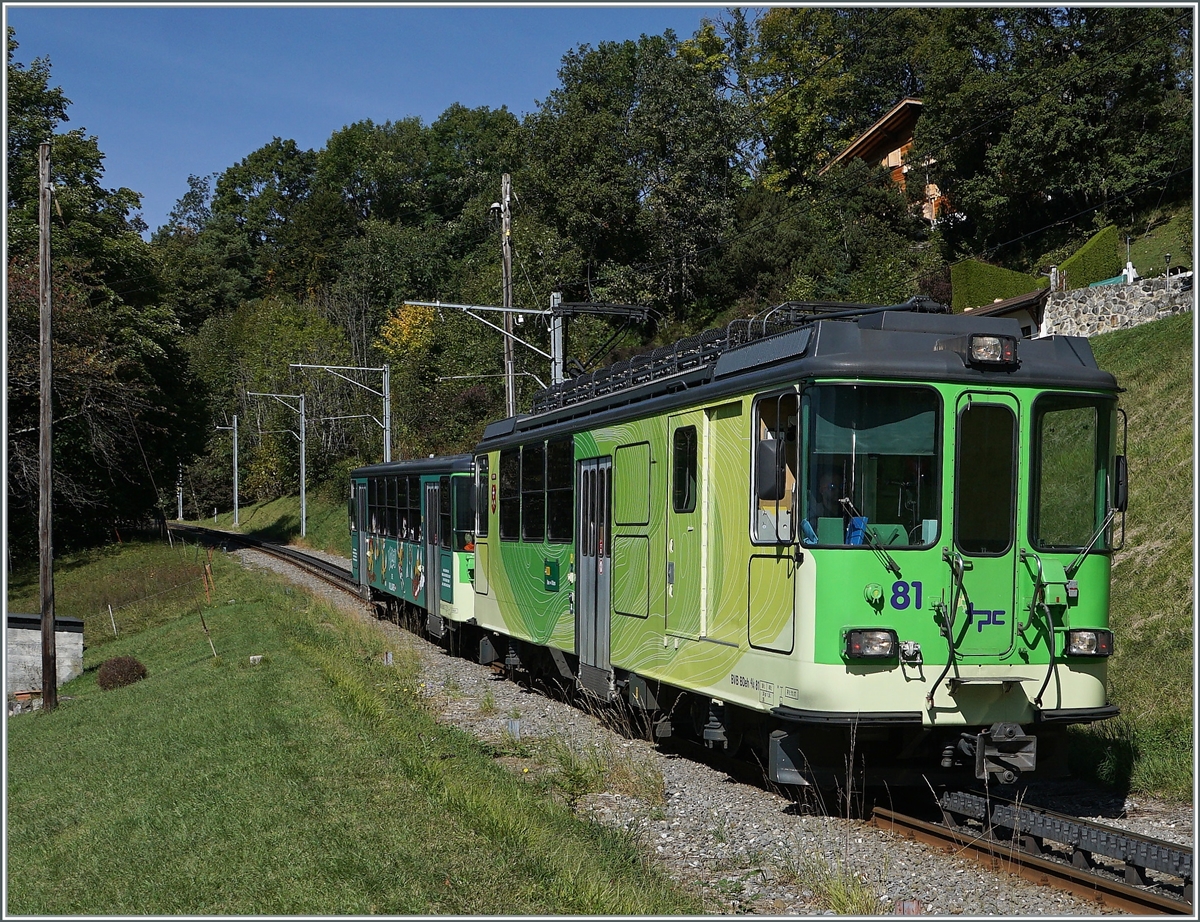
column 24, row 643
column 1092, row 310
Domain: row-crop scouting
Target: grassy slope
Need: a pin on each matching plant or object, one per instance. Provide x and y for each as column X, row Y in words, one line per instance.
column 1149, row 748
column 313, row 783
column 326, row 526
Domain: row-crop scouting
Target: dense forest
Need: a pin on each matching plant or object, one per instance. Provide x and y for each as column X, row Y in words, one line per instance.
column 694, row 176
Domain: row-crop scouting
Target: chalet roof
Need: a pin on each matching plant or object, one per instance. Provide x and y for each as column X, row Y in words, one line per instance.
column 891, row 131
column 1033, row 301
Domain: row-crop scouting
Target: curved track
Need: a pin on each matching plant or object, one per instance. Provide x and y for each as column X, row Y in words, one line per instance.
column 339, row 577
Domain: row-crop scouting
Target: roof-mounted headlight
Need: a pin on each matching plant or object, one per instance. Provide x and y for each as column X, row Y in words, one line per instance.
column 991, row 349
column 983, row 350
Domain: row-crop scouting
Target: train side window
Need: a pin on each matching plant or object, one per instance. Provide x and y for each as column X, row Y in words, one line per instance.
column 403, row 501
column 373, row 505
column 776, row 465
column 481, row 496
column 533, row 492
column 683, row 469
column 560, row 490
column 510, row 494
column 444, row 522
column 414, row 509
column 1071, row 437
column 464, row 513
column 393, row 509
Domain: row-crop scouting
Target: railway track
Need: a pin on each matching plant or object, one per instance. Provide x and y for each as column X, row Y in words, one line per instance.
column 338, row 577
column 1110, row 866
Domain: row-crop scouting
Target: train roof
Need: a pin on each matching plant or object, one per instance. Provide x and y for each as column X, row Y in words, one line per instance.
column 442, row 464
column 919, row 340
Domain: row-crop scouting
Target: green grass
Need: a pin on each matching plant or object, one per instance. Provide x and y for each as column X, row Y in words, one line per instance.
column 166, row 579
column 313, row 783
column 1149, row 748
column 326, row 527
column 1152, row 240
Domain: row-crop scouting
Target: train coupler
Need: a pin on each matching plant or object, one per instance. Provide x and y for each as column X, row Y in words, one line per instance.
column 1004, row 751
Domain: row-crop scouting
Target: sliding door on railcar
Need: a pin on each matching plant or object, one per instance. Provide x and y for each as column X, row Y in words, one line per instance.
column 432, row 553
column 685, row 526
column 593, row 588
column 358, row 530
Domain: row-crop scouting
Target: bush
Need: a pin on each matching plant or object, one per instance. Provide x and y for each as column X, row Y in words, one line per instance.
column 976, row 284
column 1095, row 261
column 120, row 671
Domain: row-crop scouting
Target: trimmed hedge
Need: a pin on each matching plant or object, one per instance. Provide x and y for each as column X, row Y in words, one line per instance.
column 975, row 284
column 1095, row 261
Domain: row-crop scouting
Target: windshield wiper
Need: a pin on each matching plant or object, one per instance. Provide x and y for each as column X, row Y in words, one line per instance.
column 879, row 549
column 1078, row 561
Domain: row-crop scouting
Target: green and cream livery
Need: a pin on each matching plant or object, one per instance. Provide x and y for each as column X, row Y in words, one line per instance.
column 841, row 527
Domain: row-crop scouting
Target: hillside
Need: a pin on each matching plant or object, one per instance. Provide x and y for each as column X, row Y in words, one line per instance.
column 1151, row 675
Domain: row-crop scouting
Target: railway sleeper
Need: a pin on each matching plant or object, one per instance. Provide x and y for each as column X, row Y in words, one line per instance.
column 1084, row 841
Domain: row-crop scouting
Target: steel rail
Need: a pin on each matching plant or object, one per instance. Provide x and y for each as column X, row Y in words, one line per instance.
column 339, row 577
column 1007, row 856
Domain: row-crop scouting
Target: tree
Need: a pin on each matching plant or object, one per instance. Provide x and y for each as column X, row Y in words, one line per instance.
column 266, row 204
column 205, row 268
column 632, row 160
column 1037, row 117
column 124, row 404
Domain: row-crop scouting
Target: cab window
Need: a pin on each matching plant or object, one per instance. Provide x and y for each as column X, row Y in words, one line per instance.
column 776, row 460
column 871, row 464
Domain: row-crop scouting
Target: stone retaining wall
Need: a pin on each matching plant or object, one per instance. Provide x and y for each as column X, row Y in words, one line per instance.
column 1088, row 311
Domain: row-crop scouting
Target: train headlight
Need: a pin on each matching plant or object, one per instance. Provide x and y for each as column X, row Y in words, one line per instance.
column 871, row 644
column 1089, row 642
column 983, row 350
column 989, row 349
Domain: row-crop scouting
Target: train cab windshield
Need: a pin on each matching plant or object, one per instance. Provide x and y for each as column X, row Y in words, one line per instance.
column 1073, row 440
column 870, row 466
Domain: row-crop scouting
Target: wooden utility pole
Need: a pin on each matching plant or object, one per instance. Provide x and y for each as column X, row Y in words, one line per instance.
column 510, row 378
column 45, row 454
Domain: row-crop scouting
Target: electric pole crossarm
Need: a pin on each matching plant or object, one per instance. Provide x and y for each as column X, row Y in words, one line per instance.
column 386, row 394
column 335, row 369
column 480, row 307
column 280, row 398
column 324, row 419
column 467, row 309
column 526, row 374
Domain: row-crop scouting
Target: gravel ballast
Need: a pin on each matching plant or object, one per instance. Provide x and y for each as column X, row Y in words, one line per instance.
column 746, row 850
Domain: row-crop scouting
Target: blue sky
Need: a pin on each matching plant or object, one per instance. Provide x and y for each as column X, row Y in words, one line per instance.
column 173, row 91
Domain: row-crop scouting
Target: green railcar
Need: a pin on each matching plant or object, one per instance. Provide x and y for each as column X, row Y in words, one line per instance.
column 878, row 530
